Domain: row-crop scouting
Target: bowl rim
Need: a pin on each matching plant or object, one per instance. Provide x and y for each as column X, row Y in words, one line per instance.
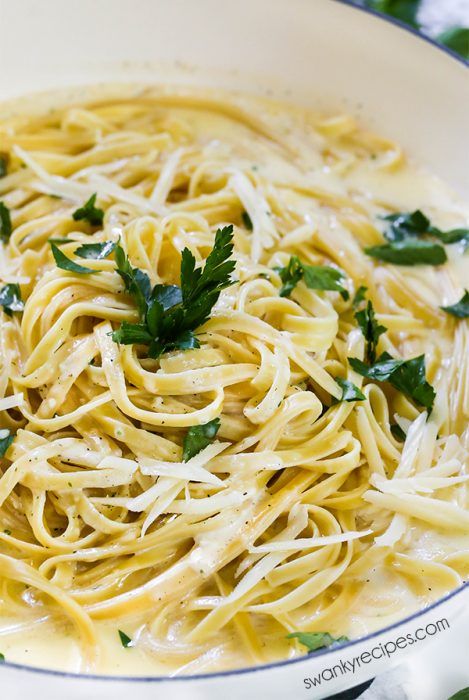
column 321, row 652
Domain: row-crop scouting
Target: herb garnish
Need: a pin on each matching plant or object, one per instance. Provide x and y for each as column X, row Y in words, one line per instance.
column 314, row 276
column 371, row 330
column 316, row 640
column 2, row 658
column 89, row 212
column 66, row 264
column 10, row 298
column 461, row 308
column 407, row 376
column 404, row 246
column 461, row 695
column 247, row 221
column 96, row 251
column 3, row 164
column 126, row 641
column 198, row 437
column 169, row 314
column 350, row 392
column 5, row 441
column 5, row 223
column 409, row 252
column 359, row 296
column 398, row 433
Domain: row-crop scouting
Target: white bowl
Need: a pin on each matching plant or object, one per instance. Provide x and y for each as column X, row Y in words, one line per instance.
column 316, row 52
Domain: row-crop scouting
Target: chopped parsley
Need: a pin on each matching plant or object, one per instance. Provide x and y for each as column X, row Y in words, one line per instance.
column 126, row 641
column 461, row 308
column 5, row 223
column 359, row 296
column 314, row 276
column 3, row 164
column 404, row 246
column 10, row 298
column 350, row 392
column 247, row 221
column 317, row 640
column 407, row 376
column 198, row 437
column 96, row 251
column 371, row 330
column 66, row 264
column 88, row 212
column 409, row 252
column 169, row 314
column 5, row 441
column 398, row 433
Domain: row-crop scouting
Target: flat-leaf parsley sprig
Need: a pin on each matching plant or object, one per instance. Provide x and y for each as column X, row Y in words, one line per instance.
column 170, row 314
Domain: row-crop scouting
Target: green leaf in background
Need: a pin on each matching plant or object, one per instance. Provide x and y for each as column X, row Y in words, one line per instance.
column 461, row 695
column 198, row 437
column 5, row 223
column 350, row 392
column 461, row 308
column 10, row 298
column 2, row 658
column 404, row 10
column 66, row 264
column 316, row 640
column 456, row 39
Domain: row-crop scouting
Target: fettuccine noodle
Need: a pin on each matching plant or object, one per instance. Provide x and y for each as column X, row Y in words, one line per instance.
column 305, row 512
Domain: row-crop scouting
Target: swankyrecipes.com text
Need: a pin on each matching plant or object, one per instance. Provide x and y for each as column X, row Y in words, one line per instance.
column 380, row 651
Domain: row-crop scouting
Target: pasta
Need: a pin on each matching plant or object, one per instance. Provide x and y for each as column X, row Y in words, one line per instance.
column 210, row 491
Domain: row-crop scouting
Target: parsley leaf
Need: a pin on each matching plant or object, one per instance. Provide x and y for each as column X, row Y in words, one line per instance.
column 407, row 376
column 359, row 296
column 290, row 275
column 398, row 433
column 168, row 313
column 453, row 236
column 126, row 641
column 96, row 251
column 2, row 658
column 456, row 39
column 316, row 640
column 198, row 437
column 350, row 392
column 406, row 224
column 409, row 252
column 66, row 264
column 130, row 333
column 314, row 276
column 3, row 164
column 6, row 438
column 461, row 308
column 89, row 212
column 246, row 219
column 371, row 330
column 10, row 298
column 5, row 223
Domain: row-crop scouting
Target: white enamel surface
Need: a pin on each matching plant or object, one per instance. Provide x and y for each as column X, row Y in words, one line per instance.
column 317, row 52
